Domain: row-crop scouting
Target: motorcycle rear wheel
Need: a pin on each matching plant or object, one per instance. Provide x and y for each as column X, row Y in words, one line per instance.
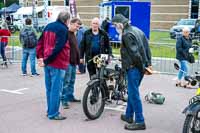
column 191, row 125
column 93, row 101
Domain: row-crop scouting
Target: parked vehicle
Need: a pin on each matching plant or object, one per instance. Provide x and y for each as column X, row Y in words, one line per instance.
column 109, row 84
column 12, row 28
column 26, row 12
column 177, row 28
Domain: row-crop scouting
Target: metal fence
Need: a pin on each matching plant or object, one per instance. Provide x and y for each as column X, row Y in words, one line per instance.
column 13, row 50
column 163, row 55
column 164, row 58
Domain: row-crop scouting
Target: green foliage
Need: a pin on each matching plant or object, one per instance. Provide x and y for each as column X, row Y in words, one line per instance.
column 159, row 50
column 1, row 5
column 9, row 2
column 163, row 37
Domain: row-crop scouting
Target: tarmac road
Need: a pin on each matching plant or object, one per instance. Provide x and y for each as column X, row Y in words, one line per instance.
column 23, row 107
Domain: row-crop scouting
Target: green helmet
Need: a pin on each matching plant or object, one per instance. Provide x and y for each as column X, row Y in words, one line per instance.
column 154, row 97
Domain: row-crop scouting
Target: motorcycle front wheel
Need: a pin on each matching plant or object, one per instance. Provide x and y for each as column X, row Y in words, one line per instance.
column 191, row 125
column 12, row 29
column 93, row 101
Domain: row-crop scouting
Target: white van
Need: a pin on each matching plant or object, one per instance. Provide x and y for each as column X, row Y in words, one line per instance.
column 25, row 12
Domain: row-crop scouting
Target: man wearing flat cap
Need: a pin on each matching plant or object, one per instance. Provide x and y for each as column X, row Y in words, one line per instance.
column 136, row 60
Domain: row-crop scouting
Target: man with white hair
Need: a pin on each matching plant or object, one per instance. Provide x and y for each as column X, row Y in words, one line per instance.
column 95, row 41
column 136, row 58
column 183, row 44
column 53, row 52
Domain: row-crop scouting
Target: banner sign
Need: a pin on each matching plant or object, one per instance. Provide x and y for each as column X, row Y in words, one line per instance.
column 72, row 6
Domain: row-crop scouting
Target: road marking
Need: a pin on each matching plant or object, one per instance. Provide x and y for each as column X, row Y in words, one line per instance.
column 175, row 78
column 14, row 91
column 120, row 108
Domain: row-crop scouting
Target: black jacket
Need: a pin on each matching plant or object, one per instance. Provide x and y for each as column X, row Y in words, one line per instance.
column 182, row 48
column 135, row 51
column 86, row 46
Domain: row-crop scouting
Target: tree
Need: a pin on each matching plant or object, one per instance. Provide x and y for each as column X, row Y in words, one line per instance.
column 1, row 5
column 8, row 2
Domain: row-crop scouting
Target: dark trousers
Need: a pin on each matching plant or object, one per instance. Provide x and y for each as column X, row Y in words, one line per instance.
column 81, row 68
column 91, row 68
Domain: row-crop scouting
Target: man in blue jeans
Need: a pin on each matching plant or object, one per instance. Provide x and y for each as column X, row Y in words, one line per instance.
column 53, row 52
column 136, row 58
column 28, row 39
column 70, row 76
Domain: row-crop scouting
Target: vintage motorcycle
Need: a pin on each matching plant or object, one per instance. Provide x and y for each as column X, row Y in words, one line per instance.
column 108, row 85
column 192, row 111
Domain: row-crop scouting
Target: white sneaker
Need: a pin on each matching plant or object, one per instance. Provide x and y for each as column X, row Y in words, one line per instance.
column 24, row 74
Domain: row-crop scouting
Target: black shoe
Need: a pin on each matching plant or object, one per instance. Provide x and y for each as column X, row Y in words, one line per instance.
column 59, row 117
column 135, row 126
column 35, row 74
column 75, row 100
column 65, row 106
column 124, row 118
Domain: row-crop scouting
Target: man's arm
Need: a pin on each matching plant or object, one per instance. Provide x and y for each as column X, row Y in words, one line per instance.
column 108, row 46
column 82, row 46
column 40, row 47
column 147, row 51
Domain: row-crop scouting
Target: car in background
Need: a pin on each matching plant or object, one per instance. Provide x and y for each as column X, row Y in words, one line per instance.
column 177, row 29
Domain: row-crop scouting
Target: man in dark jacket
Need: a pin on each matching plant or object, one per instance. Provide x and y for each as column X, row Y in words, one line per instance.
column 95, row 41
column 183, row 44
column 53, row 52
column 136, row 57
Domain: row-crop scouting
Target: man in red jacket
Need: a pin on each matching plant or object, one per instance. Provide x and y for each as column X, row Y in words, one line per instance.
column 4, row 33
column 53, row 52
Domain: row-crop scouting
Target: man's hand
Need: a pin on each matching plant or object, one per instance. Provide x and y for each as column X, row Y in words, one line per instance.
column 40, row 62
column 148, row 70
column 82, row 61
column 191, row 50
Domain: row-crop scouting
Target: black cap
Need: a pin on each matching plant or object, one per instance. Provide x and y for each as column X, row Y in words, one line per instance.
column 119, row 18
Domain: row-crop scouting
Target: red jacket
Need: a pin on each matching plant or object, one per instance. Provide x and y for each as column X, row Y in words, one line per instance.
column 53, row 46
column 4, row 32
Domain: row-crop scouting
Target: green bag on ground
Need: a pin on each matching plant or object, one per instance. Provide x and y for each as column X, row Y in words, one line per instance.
column 155, row 98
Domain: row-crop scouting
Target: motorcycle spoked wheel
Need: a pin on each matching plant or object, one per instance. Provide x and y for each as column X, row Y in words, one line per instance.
column 12, row 29
column 191, row 125
column 93, row 101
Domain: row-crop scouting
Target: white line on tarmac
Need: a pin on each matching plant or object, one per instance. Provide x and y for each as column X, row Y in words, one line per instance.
column 120, row 108
column 14, row 91
column 175, row 78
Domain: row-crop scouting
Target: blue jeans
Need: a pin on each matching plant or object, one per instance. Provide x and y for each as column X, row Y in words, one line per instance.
column 68, row 85
column 26, row 53
column 184, row 69
column 2, row 48
column 134, row 104
column 54, row 84
column 82, row 68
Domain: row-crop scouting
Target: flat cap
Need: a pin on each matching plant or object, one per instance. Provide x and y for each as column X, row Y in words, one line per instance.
column 119, row 18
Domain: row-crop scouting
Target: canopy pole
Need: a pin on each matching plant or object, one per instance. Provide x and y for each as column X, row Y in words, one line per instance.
column 34, row 16
column 46, row 11
column 4, row 9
